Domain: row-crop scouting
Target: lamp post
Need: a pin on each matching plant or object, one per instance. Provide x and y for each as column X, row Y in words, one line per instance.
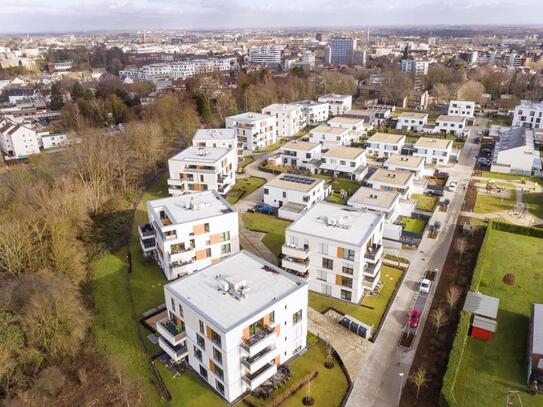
column 401, row 384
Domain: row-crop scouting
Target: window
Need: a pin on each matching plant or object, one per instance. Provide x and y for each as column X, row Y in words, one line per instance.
column 180, row 310
column 226, row 249
column 203, row 372
column 323, row 248
column 201, row 324
column 342, row 162
column 272, row 317
column 200, row 341
column 219, row 372
column 347, row 270
column 296, row 317
column 353, row 164
column 346, row 295
column 266, row 191
column 348, row 254
column 345, row 281
column 197, row 353
column 206, row 227
column 327, row 263
column 219, row 386
column 215, row 337
column 284, row 194
column 173, row 304
column 322, row 275
column 217, row 355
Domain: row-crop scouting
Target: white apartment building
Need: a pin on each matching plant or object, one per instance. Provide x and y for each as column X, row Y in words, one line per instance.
column 394, row 181
column 301, row 154
column 265, row 54
column 383, row 145
column 330, row 137
column 385, row 202
column 295, row 189
column 197, row 169
column 289, row 119
column 346, row 162
column 189, row 232
column 528, row 114
column 315, row 112
column 410, row 163
column 464, row 108
column 515, row 153
column 412, row 121
column 221, row 138
column 235, row 322
column 338, row 104
column 47, row 140
column 451, row 125
column 338, row 248
column 17, row 140
column 253, row 130
column 350, row 123
column 418, row 66
column 433, row 150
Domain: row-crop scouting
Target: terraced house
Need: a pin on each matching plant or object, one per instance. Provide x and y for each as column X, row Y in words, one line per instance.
column 382, row 145
column 189, row 232
column 235, row 322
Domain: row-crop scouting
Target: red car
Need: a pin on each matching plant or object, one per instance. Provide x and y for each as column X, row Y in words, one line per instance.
column 414, row 319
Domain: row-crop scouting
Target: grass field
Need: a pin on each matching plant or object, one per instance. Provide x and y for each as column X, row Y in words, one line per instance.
column 509, row 177
column 243, row 187
column 487, row 203
column 413, row 225
column 328, row 388
column 272, row 226
column 489, row 370
column 339, row 184
column 534, row 200
column 425, row 202
column 372, row 308
column 336, row 198
column 248, row 159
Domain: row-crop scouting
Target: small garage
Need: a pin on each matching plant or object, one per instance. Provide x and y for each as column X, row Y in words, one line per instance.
column 484, row 314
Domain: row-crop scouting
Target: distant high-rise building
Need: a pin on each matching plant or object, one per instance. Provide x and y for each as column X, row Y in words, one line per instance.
column 327, row 55
column 318, row 37
column 341, row 50
column 432, row 41
column 265, row 54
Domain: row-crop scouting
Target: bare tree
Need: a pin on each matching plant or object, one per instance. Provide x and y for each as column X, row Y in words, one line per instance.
column 418, row 378
column 453, row 295
column 471, row 90
column 460, row 245
column 439, row 319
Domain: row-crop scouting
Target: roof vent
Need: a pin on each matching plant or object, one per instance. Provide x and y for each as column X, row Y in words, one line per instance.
column 224, row 286
column 201, row 152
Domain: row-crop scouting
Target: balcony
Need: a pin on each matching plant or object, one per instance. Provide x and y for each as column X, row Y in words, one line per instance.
column 146, row 231
column 177, row 352
column 169, row 330
column 176, row 182
column 369, row 283
column 259, row 341
column 260, row 376
column 371, row 269
column 295, row 252
column 182, row 268
column 148, row 245
column 257, row 361
column 182, row 256
column 222, row 179
column 373, row 253
column 296, row 265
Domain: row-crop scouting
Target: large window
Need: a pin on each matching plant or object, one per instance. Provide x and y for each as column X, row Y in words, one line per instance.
column 296, row 317
column 203, row 372
column 256, row 326
column 217, row 355
column 327, row 263
column 347, row 270
column 348, row 254
column 346, row 295
column 346, row 282
column 215, row 338
column 201, row 325
column 272, row 317
column 197, row 353
column 219, row 372
column 322, row 275
column 219, row 386
column 200, row 341
column 226, row 249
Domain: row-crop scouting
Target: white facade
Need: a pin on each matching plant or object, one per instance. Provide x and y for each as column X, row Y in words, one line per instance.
column 253, row 130
column 289, row 119
column 347, row 162
column 411, row 121
column 235, row 322
column 53, row 140
column 528, row 114
column 418, row 66
column 433, row 150
column 198, row 169
column 382, row 145
column 464, row 108
column 337, row 248
column 315, row 112
column 515, row 153
column 393, row 181
column 386, row 202
column 265, row 54
column 189, row 232
column 301, row 154
column 350, row 123
column 296, row 189
column 397, row 162
column 338, row 104
column 451, row 124
column 221, row 138
column 17, row 140
column 331, row 137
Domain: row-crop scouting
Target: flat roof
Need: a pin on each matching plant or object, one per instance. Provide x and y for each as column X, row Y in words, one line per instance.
column 372, row 197
column 391, row 177
column 250, row 116
column 282, row 107
column 409, row 161
column 323, row 128
column 192, row 207
column 412, row 115
column 450, row 118
column 201, row 154
column 348, row 153
column 386, row 138
column 335, row 96
column 435, row 143
column 481, row 304
column 338, row 223
column 346, row 120
column 299, row 145
column 294, row 182
column 267, row 284
column 214, row 134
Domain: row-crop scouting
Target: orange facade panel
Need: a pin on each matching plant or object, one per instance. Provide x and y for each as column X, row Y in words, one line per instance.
column 198, row 229
column 338, row 279
column 215, row 238
column 201, row 254
column 340, row 252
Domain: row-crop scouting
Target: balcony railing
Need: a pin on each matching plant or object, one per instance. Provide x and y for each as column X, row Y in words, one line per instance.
column 176, row 352
column 296, row 252
column 170, row 331
column 146, row 231
column 373, row 252
column 250, row 362
column 260, row 376
column 257, row 338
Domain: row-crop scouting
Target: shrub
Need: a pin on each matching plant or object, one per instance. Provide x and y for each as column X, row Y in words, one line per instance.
column 510, row 279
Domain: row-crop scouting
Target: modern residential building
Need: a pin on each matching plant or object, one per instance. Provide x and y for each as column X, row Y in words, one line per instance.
column 198, row 169
column 189, row 232
column 386, row 202
column 266, row 54
column 315, row 112
column 418, row 66
column 221, row 138
column 295, row 189
column 17, row 140
column 338, row 104
column 464, row 108
column 528, row 114
column 515, row 153
column 395, row 181
column 398, row 162
column 342, row 50
column 433, row 150
column 346, row 162
column 301, row 154
column 451, row 125
column 412, row 121
column 350, row 123
column 52, row 140
column 330, row 137
column 382, row 145
column 338, row 248
column 253, row 130
column 289, row 119
column 235, row 322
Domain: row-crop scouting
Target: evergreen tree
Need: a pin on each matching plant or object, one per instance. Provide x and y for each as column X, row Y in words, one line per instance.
column 57, row 100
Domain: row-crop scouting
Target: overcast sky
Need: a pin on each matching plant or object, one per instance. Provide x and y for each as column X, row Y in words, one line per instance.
column 79, row 15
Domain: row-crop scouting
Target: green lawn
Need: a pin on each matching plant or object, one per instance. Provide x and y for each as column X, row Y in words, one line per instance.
column 413, row 225
column 509, row 177
column 272, row 147
column 336, row 198
column 487, row 203
column 372, row 308
column 328, row 388
column 489, row 369
column 339, row 184
column 425, row 202
column 535, row 203
column 243, row 187
column 272, row 226
column 248, row 159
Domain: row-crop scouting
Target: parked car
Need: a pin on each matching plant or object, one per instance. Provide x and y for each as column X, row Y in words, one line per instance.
column 477, row 140
column 434, row 192
column 425, row 285
column 437, row 226
column 264, row 208
column 445, row 202
column 414, row 318
column 452, row 186
column 440, row 174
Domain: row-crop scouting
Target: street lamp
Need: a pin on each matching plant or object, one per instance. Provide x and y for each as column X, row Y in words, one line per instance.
column 401, row 384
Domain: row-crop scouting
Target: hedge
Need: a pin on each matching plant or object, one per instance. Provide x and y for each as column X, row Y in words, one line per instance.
column 519, row 230
column 398, row 259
